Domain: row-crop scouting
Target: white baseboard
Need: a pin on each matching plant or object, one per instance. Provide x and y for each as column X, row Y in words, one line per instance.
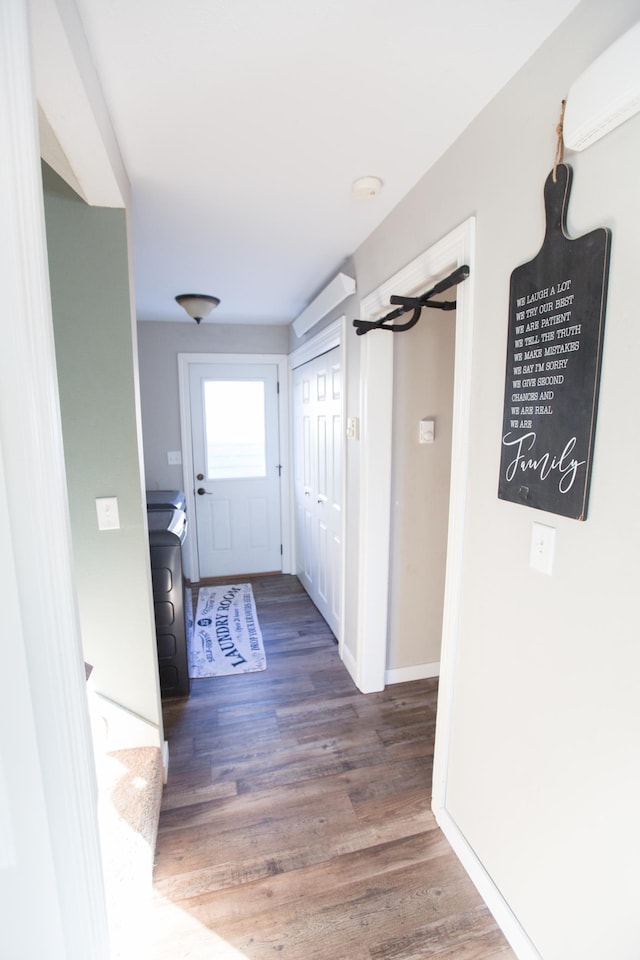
column 421, row 671
column 349, row 661
column 119, row 728
column 504, row 916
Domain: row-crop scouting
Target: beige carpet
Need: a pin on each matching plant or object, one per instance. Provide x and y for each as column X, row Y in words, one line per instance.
column 130, row 792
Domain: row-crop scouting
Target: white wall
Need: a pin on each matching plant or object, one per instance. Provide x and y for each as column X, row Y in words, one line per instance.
column 159, row 344
column 543, row 776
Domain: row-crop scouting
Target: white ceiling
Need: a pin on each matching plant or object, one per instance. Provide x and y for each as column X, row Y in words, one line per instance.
column 243, row 123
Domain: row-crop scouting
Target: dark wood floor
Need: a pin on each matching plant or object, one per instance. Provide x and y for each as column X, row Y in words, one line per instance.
column 296, row 822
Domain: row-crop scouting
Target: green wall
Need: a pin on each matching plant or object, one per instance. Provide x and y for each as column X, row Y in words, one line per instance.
column 95, row 351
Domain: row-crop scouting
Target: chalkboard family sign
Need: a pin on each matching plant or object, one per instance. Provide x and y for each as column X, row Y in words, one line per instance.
column 554, row 351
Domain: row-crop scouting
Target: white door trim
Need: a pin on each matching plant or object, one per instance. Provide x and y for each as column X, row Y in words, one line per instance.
column 376, row 424
column 454, row 250
column 333, row 335
column 37, row 551
column 376, row 386
column 185, row 360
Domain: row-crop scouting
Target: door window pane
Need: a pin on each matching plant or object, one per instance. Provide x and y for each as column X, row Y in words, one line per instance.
column 235, row 429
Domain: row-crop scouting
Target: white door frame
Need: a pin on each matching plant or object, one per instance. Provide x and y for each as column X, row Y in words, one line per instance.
column 376, row 385
column 376, row 391
column 185, row 361
column 54, row 856
column 332, row 336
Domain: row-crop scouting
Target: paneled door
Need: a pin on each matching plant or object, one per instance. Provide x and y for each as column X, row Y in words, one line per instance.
column 236, row 467
column 318, row 439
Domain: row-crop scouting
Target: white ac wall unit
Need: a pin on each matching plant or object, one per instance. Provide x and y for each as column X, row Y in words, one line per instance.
column 333, row 294
column 606, row 94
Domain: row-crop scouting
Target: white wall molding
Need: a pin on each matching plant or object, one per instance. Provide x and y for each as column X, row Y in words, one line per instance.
column 376, row 424
column 123, row 728
column 31, row 443
column 421, row 671
column 376, row 386
column 504, row 916
column 460, row 244
column 71, row 98
column 349, row 661
column 455, row 249
column 458, row 248
column 325, row 340
column 185, row 360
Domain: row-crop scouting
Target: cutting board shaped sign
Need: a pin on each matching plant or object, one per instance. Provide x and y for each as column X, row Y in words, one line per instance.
column 554, row 353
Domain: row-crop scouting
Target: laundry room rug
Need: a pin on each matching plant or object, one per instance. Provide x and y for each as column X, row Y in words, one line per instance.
column 226, row 637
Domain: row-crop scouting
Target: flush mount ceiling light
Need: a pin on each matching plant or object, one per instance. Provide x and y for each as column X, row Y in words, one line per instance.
column 366, row 188
column 197, row 305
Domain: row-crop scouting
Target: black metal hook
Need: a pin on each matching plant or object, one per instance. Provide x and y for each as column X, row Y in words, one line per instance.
column 414, row 304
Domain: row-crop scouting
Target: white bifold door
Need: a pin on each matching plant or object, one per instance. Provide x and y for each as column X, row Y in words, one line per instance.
column 318, row 443
column 236, row 467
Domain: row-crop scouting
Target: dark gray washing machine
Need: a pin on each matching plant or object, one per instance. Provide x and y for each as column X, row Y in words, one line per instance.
column 171, row 599
column 166, row 500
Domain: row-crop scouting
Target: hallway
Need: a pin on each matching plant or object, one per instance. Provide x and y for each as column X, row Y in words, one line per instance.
column 296, row 821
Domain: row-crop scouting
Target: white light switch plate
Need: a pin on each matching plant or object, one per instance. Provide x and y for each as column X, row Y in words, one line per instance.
column 353, row 428
column 543, row 540
column 427, row 431
column 107, row 511
column 174, row 458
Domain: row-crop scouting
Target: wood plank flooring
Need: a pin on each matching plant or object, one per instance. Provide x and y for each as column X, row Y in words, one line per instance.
column 296, row 822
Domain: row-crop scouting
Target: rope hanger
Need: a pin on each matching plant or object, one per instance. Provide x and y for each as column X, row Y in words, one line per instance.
column 559, row 157
column 415, row 304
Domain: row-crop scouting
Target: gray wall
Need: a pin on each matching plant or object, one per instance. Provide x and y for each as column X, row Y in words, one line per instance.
column 423, row 389
column 159, row 344
column 543, row 781
column 89, row 274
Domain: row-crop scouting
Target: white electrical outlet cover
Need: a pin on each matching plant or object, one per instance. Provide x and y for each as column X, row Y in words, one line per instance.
column 543, row 539
column 107, row 511
column 427, row 431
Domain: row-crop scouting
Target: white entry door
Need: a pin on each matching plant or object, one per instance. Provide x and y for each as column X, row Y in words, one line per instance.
column 318, row 440
column 236, row 467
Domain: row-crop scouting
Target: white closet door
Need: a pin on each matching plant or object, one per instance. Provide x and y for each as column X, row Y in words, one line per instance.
column 318, row 482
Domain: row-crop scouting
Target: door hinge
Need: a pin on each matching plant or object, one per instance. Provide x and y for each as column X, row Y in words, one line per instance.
column 279, row 469
column 278, row 386
column 281, row 550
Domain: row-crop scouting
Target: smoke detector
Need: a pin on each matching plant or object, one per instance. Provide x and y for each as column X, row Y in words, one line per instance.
column 366, row 188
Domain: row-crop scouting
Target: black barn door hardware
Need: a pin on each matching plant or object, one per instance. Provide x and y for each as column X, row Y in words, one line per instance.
column 415, row 304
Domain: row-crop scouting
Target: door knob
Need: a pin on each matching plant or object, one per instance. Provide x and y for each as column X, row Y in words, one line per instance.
column 200, row 476
column 201, row 491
